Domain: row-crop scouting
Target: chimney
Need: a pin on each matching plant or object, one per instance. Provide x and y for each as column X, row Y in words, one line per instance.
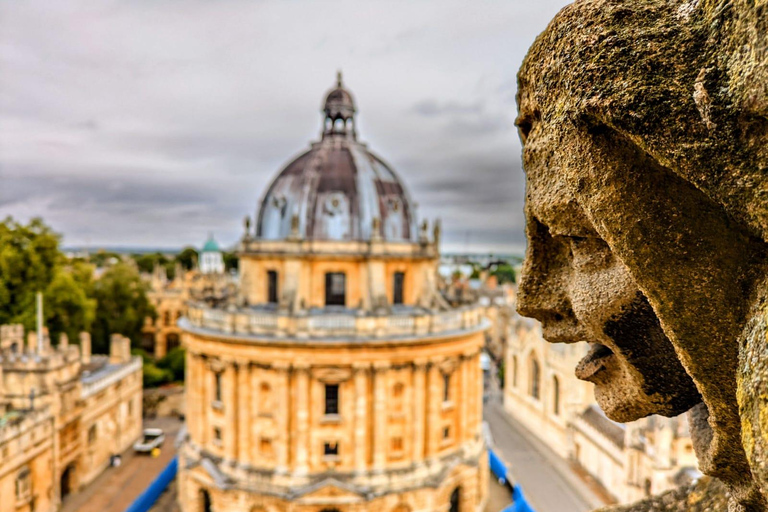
column 39, row 322
column 119, row 349
column 45, row 346
column 31, row 342
column 85, row 348
column 63, row 341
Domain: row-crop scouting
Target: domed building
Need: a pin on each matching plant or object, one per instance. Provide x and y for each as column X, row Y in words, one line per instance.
column 211, row 258
column 340, row 380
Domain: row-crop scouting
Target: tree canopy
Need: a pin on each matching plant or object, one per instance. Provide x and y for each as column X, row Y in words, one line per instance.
column 122, row 305
column 74, row 301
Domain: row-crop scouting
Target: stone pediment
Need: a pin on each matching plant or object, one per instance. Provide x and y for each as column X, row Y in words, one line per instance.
column 331, row 374
column 329, row 491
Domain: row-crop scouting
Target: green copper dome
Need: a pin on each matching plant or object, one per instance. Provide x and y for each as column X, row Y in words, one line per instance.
column 211, row 246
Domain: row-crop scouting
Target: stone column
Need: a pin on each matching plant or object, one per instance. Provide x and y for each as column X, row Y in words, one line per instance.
column 205, row 383
column 244, row 396
column 301, row 414
column 419, row 409
column 230, row 411
column 380, row 438
column 283, row 407
column 361, row 418
column 467, row 388
column 478, row 387
column 434, row 400
column 192, row 396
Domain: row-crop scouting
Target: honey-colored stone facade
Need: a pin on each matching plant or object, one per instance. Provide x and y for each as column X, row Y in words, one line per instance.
column 406, row 433
column 400, row 442
column 630, row 461
column 338, row 379
column 63, row 414
column 170, row 297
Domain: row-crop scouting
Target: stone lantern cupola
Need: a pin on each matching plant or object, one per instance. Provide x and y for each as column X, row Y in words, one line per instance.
column 339, row 109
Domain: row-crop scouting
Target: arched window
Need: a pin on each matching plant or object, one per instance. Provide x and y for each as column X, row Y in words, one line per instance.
column 556, row 395
column 205, row 501
column 455, row 500
column 535, row 378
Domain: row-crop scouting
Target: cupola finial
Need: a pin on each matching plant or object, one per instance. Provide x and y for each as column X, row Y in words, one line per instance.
column 339, row 111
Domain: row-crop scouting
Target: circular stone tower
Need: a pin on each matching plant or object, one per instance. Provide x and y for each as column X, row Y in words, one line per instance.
column 340, row 380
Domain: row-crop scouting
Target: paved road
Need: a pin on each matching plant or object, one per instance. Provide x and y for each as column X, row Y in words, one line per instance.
column 116, row 488
column 547, row 480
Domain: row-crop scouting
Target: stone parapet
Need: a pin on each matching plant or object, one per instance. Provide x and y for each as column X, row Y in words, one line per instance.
column 324, row 248
column 354, row 324
column 95, row 382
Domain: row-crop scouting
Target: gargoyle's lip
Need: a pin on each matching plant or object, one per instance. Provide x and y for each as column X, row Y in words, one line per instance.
column 560, row 333
column 594, row 362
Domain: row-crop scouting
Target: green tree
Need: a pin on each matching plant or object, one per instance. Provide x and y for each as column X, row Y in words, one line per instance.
column 68, row 309
column 105, row 258
column 230, row 261
column 174, row 361
column 147, row 262
column 29, row 256
column 187, row 257
column 504, row 273
column 122, row 305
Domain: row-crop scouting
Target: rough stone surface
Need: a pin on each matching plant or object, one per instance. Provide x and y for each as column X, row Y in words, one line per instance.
column 645, row 131
column 706, row 495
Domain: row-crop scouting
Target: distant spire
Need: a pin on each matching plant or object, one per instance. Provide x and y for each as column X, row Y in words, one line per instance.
column 338, row 79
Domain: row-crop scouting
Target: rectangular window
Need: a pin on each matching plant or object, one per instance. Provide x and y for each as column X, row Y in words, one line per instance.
column 266, row 446
column 397, row 288
column 397, row 444
column 331, row 449
column 447, row 433
column 331, row 399
column 217, row 395
column 92, row 434
column 272, row 287
column 446, row 387
column 335, row 289
column 217, row 434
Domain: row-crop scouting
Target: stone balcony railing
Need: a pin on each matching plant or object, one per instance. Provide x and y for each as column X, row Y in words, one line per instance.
column 328, row 323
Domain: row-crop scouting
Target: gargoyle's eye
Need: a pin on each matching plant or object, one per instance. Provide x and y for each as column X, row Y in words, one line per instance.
column 525, row 125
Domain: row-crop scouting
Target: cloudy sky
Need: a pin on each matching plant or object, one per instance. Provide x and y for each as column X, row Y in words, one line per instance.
column 150, row 123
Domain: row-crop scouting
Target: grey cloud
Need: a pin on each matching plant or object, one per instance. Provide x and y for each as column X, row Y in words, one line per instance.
column 433, row 108
column 151, row 126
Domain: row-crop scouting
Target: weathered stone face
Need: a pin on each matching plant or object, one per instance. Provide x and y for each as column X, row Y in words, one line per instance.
column 645, row 131
column 580, row 291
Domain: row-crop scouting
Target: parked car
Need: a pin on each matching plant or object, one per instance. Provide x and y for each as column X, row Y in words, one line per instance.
column 152, row 438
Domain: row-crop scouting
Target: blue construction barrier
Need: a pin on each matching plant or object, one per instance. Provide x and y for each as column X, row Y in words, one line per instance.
column 148, row 498
column 519, row 503
column 498, row 468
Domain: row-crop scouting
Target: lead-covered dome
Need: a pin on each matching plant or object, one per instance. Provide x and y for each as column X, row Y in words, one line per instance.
column 338, row 190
